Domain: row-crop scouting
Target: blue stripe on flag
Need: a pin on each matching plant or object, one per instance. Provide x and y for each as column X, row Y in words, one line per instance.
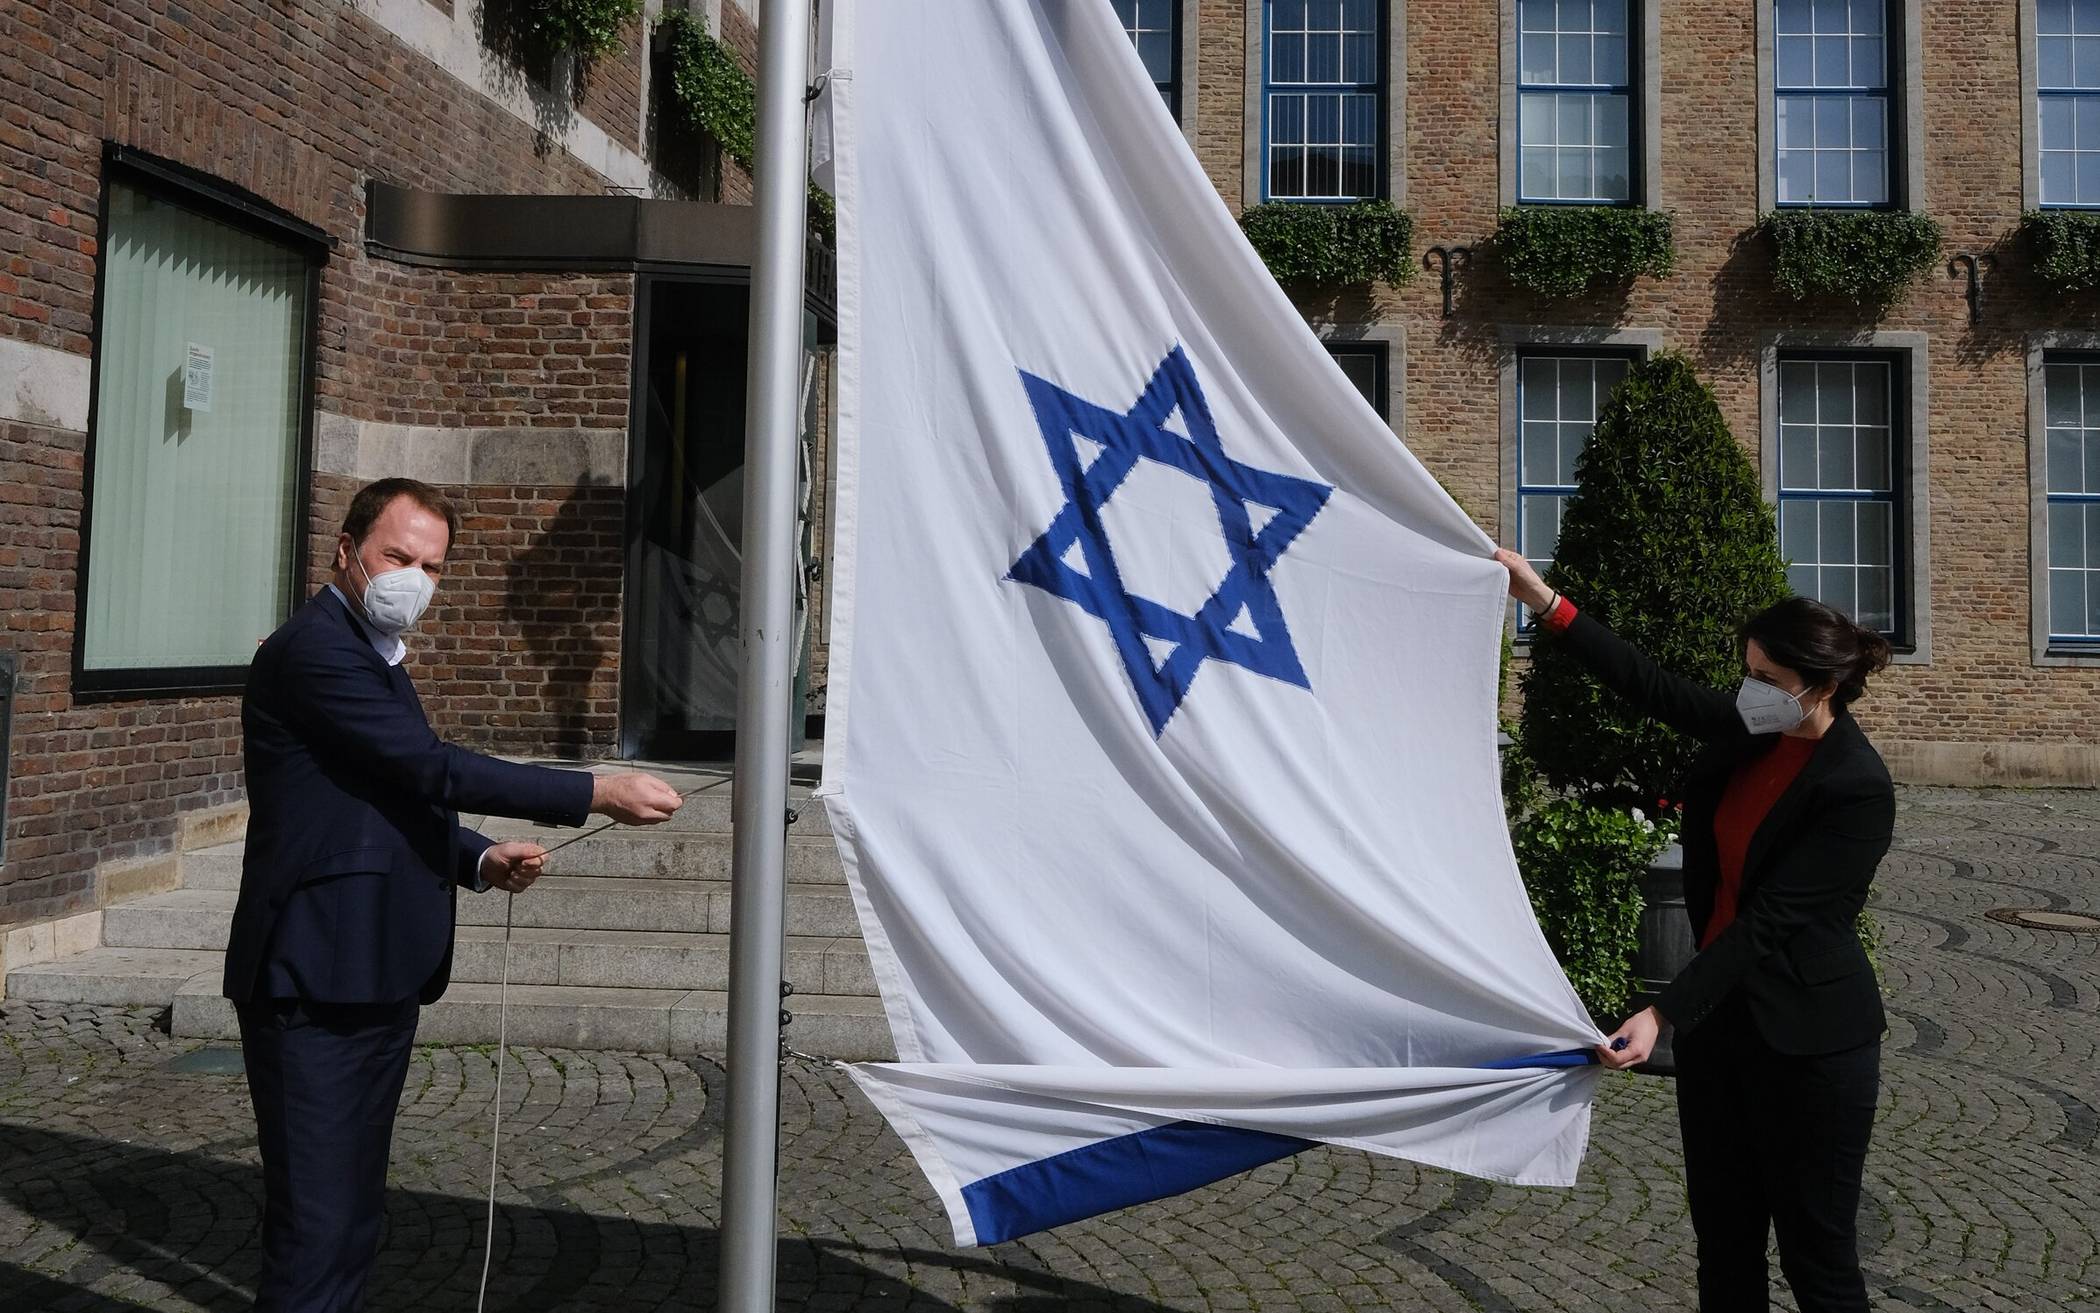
column 1145, row 1165
column 1109, row 1174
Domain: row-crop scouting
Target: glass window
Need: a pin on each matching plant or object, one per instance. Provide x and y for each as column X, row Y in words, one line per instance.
column 1833, row 79
column 2067, row 75
column 1574, row 93
column 1324, row 99
column 2071, row 391
column 199, row 421
column 1364, row 363
column 1837, row 486
column 1155, row 29
column 1558, row 397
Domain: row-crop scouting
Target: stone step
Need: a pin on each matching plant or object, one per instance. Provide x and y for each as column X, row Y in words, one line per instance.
column 638, row 903
column 650, row 959
column 678, row 1022
column 193, row 919
column 617, row 852
column 706, row 812
column 117, row 977
column 200, row 918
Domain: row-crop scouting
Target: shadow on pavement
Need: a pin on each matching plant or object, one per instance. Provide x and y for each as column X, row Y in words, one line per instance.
column 153, row 1225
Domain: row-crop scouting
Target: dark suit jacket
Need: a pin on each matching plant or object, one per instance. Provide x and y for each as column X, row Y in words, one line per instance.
column 354, row 844
column 1792, row 949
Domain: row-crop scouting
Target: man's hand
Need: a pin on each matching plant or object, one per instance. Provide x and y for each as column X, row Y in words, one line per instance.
column 634, row 798
column 512, row 867
column 1639, row 1033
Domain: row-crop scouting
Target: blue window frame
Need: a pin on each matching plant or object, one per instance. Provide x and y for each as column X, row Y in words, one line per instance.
column 2067, row 81
column 1323, row 100
column 1833, row 76
column 1574, row 102
column 1558, row 396
column 2071, row 400
column 1839, row 514
column 1155, row 29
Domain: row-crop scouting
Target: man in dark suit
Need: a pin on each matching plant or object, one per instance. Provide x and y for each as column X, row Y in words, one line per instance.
column 345, row 919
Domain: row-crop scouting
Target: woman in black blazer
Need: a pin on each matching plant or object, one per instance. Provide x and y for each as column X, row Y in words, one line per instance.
column 1778, row 1018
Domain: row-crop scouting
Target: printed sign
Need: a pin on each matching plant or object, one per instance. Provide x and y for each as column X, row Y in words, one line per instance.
column 196, row 379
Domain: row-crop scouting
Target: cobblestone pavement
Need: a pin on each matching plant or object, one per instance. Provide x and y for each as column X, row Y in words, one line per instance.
column 124, row 1183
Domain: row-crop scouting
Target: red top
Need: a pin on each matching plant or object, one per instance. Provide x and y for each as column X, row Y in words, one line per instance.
column 1752, row 790
column 1755, row 786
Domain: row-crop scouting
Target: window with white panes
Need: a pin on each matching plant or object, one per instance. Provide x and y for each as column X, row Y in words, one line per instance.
column 1574, row 101
column 1838, row 512
column 1155, row 29
column 1323, row 101
column 2067, row 88
column 2071, row 402
column 1834, row 73
column 1558, row 397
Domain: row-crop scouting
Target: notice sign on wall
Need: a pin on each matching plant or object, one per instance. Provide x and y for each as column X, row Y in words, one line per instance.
column 196, row 379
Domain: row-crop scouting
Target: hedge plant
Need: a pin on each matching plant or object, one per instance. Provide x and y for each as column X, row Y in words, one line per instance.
column 1566, row 250
column 590, row 28
column 1582, row 866
column 1333, row 245
column 1865, row 256
column 1668, row 540
column 2066, row 247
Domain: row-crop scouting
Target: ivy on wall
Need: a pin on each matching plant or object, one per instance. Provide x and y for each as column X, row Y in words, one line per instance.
column 536, row 30
column 1567, row 250
column 1866, row 256
column 713, row 94
column 2066, row 247
column 1332, row 245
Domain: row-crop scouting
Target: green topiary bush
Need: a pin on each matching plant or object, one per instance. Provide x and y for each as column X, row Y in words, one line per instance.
column 1866, row 256
column 2066, row 247
column 1333, row 245
column 1669, row 541
column 1582, row 863
column 1566, row 250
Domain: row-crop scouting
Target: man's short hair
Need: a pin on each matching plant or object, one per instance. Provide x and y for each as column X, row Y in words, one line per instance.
column 374, row 498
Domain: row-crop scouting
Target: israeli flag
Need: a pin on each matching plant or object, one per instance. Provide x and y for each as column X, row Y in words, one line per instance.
column 1161, row 737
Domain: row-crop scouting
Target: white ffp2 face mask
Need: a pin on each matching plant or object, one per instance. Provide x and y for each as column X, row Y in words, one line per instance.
column 395, row 599
column 1767, row 708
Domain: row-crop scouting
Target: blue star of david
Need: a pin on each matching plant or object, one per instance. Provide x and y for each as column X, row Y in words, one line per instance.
column 1215, row 632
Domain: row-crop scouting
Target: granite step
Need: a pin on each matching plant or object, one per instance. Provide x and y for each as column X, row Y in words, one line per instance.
column 116, row 977
column 613, row 853
column 673, row 1021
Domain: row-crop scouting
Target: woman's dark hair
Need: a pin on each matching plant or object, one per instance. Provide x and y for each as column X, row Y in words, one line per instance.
column 1820, row 644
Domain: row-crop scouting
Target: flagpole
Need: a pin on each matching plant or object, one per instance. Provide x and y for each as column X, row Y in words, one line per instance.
column 750, row 1167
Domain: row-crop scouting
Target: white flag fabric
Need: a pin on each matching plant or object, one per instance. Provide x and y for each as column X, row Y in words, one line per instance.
column 1161, row 735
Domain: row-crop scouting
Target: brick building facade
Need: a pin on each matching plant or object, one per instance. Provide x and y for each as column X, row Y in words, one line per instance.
column 515, row 383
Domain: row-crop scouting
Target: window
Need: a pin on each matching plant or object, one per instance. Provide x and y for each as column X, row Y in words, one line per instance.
column 2071, row 402
column 1574, row 95
column 1365, row 364
column 1834, row 101
column 1323, row 100
column 1155, row 29
column 1838, row 508
column 1558, row 397
column 2067, row 86
column 202, row 373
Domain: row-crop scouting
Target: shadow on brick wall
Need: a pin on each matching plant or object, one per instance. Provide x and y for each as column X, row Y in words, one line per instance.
column 563, row 594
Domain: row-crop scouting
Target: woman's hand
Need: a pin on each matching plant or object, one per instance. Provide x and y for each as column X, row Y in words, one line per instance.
column 1524, row 582
column 1639, row 1033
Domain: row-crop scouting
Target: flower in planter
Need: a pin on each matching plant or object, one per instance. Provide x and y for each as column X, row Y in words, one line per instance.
column 1866, row 256
column 1332, row 245
column 2066, row 247
column 1567, row 250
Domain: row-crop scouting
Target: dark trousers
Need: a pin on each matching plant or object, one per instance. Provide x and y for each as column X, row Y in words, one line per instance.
column 1774, row 1142
column 325, row 1080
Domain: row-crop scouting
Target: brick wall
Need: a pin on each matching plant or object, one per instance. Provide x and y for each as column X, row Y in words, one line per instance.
column 434, row 346
column 1981, row 684
column 609, row 89
column 92, row 781
column 298, row 102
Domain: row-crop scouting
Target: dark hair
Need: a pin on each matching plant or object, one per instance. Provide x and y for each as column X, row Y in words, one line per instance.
column 373, row 499
column 1820, row 644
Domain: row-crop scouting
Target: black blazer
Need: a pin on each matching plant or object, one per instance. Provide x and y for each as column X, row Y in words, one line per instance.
column 354, row 844
column 1792, row 949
